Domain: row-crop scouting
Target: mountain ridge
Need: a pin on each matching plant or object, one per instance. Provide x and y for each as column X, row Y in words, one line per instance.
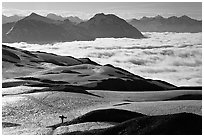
column 39, row 29
column 110, row 25
column 170, row 24
column 73, row 19
column 36, row 17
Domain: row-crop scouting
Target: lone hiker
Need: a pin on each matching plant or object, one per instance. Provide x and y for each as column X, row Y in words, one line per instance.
column 62, row 117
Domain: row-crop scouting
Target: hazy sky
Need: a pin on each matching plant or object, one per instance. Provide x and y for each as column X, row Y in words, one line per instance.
column 86, row 10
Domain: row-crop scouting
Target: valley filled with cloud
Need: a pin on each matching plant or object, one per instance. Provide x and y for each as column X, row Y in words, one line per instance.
column 172, row 57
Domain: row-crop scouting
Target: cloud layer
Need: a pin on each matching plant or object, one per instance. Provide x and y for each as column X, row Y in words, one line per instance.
column 173, row 57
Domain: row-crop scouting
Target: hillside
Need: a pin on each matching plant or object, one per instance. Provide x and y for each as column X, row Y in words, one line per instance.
column 82, row 73
column 38, row 87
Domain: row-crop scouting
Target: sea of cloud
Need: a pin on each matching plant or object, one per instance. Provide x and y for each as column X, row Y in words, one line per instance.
column 172, row 57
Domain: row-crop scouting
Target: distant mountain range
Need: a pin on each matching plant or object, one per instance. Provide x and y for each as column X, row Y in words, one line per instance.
column 13, row 18
column 73, row 19
column 54, row 28
column 171, row 24
column 39, row 29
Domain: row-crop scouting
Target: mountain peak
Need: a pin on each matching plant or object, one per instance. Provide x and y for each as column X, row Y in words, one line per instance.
column 185, row 17
column 108, row 17
column 158, row 17
column 55, row 17
column 109, row 25
column 144, row 18
column 34, row 16
column 173, row 17
column 100, row 14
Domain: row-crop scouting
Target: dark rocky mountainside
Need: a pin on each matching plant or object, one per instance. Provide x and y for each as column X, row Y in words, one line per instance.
column 104, row 26
column 38, row 29
column 6, row 29
column 171, row 24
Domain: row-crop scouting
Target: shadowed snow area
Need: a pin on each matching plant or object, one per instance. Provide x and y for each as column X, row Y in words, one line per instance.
column 172, row 57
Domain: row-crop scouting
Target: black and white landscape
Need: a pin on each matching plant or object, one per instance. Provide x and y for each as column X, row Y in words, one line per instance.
column 106, row 74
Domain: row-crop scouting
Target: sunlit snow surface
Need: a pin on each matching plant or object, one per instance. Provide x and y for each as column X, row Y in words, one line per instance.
column 173, row 57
